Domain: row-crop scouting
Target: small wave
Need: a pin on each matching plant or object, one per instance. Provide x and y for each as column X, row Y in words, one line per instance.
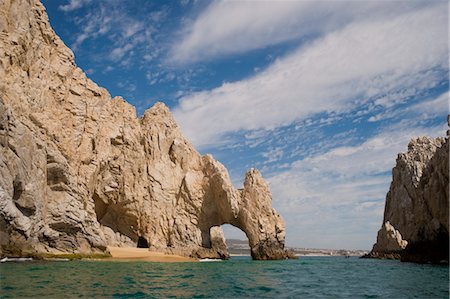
column 15, row 259
column 210, row 260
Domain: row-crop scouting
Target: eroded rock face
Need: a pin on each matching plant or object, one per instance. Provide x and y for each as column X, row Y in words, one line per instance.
column 389, row 243
column 416, row 213
column 79, row 171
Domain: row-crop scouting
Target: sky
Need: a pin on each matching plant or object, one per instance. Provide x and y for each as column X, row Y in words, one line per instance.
column 320, row 96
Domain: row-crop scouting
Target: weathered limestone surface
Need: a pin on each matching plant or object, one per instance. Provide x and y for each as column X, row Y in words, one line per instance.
column 389, row 239
column 79, row 171
column 415, row 225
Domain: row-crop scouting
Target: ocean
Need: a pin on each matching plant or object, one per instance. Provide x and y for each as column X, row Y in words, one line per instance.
column 239, row 277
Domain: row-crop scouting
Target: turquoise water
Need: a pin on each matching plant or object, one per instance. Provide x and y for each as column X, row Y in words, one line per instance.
column 308, row 277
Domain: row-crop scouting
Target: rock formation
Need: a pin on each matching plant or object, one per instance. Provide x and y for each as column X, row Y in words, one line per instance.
column 79, row 171
column 415, row 225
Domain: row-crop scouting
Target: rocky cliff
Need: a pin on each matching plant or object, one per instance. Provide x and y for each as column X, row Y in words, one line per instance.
column 415, row 226
column 79, row 171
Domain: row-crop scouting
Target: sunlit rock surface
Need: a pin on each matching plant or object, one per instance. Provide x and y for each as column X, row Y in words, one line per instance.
column 80, row 171
column 415, row 225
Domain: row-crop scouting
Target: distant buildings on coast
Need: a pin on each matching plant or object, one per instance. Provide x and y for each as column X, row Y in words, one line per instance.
column 240, row 247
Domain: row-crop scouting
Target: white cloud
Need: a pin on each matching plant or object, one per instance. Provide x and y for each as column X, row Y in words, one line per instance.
column 93, row 25
column 438, row 106
column 112, row 21
column 127, row 85
column 108, row 69
column 273, row 155
column 341, row 192
column 117, row 53
column 131, row 28
column 73, row 5
column 227, row 27
column 336, row 73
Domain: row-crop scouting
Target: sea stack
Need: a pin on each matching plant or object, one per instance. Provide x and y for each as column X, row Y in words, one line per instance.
column 79, row 171
column 415, row 224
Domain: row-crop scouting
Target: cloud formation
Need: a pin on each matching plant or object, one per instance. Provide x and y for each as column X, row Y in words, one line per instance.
column 73, row 5
column 362, row 62
column 110, row 20
column 427, row 108
column 228, row 27
column 328, row 194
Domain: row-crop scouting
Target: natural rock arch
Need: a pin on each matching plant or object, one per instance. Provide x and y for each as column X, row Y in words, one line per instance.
column 248, row 209
column 79, row 171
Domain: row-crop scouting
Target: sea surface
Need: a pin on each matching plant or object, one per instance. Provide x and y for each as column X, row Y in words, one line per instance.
column 239, row 277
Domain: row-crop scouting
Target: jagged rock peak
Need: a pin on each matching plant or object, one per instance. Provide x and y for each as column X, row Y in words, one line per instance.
column 79, row 171
column 159, row 109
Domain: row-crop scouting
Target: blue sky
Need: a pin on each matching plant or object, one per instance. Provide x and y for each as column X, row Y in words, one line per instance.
column 320, row 96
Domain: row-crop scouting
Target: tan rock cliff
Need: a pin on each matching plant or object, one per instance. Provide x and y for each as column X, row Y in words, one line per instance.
column 79, row 171
column 415, row 225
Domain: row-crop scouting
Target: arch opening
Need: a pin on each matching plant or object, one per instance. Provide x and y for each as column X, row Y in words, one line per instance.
column 236, row 240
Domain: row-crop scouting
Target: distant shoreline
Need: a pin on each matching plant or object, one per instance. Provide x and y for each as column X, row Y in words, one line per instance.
column 303, row 254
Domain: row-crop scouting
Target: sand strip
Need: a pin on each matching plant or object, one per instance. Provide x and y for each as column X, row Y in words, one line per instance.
column 143, row 254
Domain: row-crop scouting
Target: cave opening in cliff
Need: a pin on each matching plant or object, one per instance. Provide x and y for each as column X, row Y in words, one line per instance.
column 142, row 242
column 115, row 217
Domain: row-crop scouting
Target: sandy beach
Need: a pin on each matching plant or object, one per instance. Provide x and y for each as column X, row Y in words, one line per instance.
column 143, row 254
